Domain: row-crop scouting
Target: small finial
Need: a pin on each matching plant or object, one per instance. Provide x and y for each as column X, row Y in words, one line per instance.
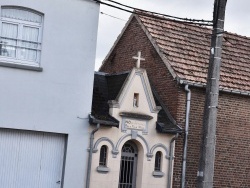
column 139, row 59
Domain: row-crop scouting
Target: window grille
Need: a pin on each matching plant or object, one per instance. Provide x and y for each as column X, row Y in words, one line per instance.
column 103, row 156
column 158, row 157
column 128, row 165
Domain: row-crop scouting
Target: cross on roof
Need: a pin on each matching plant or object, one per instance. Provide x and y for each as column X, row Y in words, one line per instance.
column 139, row 59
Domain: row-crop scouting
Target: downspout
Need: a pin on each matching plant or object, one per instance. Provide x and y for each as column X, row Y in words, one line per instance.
column 171, row 160
column 184, row 160
column 91, row 141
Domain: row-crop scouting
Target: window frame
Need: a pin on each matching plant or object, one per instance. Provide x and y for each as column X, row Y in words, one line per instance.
column 136, row 100
column 158, row 161
column 103, row 161
column 158, row 165
column 103, row 156
column 17, row 60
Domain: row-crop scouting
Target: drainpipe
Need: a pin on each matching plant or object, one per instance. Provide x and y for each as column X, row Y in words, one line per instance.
column 171, row 160
column 91, row 141
column 184, row 160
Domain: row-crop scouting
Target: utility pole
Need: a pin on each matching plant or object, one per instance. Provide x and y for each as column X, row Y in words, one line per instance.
column 207, row 153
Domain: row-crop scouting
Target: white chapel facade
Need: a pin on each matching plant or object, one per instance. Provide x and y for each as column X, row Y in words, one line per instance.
column 134, row 146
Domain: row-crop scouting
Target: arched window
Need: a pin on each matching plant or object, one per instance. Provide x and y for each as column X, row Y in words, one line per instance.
column 158, row 157
column 21, row 34
column 103, row 156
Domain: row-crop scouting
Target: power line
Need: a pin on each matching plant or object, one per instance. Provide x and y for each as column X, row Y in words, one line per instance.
column 202, row 35
column 145, row 13
column 112, row 16
column 165, row 15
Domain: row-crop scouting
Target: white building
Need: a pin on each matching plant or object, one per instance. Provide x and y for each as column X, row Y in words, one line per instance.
column 133, row 143
column 47, row 51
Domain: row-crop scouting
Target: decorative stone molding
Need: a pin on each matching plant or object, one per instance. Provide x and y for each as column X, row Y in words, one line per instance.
column 146, row 86
column 101, row 140
column 135, row 115
column 102, row 169
column 115, row 152
column 158, row 174
column 134, row 124
column 113, row 104
column 162, row 146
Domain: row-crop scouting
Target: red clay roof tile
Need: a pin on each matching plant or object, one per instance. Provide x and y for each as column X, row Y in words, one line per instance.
column 186, row 47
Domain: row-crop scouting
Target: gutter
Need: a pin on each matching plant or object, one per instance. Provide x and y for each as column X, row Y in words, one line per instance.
column 184, row 159
column 170, row 168
column 202, row 85
column 93, row 120
column 159, row 128
column 91, row 141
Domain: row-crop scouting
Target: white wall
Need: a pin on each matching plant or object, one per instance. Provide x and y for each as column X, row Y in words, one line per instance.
column 52, row 100
column 145, row 167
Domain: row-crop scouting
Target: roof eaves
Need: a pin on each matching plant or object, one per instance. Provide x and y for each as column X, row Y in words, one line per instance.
column 160, row 128
column 101, row 73
column 93, row 120
column 202, row 85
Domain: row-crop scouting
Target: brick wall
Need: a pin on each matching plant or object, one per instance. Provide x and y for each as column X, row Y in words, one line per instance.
column 232, row 165
column 232, row 157
column 194, row 139
column 121, row 60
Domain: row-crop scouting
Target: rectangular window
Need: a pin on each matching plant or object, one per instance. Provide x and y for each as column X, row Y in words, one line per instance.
column 158, row 161
column 103, row 156
column 136, row 100
column 21, row 33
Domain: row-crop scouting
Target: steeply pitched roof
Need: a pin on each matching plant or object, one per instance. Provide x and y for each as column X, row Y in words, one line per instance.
column 185, row 49
column 165, row 122
column 107, row 87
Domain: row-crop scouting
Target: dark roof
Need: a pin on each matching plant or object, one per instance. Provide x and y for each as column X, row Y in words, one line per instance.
column 115, row 82
column 165, row 122
column 185, row 50
column 107, row 87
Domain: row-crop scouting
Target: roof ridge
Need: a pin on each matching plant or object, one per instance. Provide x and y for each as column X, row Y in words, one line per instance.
column 238, row 36
column 197, row 25
column 173, row 21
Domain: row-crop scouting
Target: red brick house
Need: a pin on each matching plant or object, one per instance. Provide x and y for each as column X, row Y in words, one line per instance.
column 177, row 54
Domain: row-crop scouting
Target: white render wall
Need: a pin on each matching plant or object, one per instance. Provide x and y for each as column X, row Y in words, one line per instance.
column 52, row 100
column 145, row 167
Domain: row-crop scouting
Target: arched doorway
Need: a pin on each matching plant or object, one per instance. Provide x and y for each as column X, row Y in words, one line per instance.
column 128, row 165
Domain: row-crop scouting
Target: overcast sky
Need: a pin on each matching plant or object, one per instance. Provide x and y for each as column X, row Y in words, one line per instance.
column 237, row 18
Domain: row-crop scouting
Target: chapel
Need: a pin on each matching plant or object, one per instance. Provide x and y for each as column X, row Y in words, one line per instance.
column 134, row 140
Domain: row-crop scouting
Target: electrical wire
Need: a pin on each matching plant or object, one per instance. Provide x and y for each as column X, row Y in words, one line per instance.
column 165, row 15
column 112, row 16
column 145, row 13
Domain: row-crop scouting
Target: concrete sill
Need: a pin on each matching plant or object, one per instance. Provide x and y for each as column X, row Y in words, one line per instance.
column 102, row 169
column 20, row 66
column 158, row 174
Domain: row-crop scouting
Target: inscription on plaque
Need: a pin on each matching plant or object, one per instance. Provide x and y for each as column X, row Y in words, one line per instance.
column 134, row 124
